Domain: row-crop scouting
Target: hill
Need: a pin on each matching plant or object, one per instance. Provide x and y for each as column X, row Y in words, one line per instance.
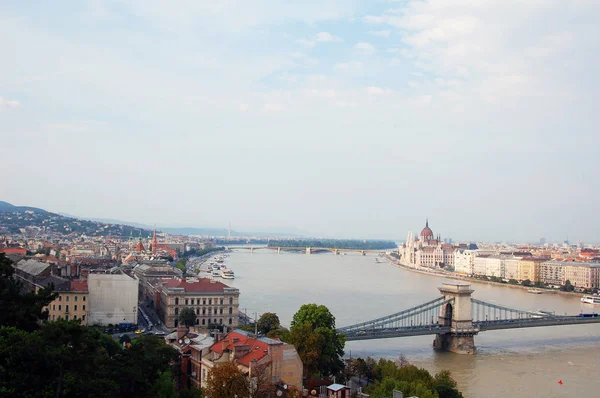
column 6, row 207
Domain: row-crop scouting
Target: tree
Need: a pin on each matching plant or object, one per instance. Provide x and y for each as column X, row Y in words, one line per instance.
column 267, row 322
column 227, row 381
column 319, row 345
column 164, row 386
column 567, row 287
column 513, row 282
column 187, row 316
column 526, row 282
column 21, row 310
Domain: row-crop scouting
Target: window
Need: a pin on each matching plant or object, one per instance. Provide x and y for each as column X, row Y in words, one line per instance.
column 230, row 310
column 203, row 311
column 209, row 301
column 221, row 311
column 53, row 317
column 176, row 311
column 59, row 307
column 83, row 316
column 204, row 321
column 230, row 321
column 75, row 298
column 74, row 316
column 221, row 301
column 75, row 307
column 83, row 298
column 176, row 300
column 67, row 298
column 186, row 301
column 230, row 300
column 197, row 321
column 197, row 311
column 53, row 307
column 66, row 317
column 203, row 301
column 84, row 307
column 59, row 298
column 221, row 321
column 67, row 308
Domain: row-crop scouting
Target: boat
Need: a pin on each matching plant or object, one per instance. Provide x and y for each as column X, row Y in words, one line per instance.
column 591, row 299
column 534, row 291
column 227, row 274
column 543, row 313
column 216, row 274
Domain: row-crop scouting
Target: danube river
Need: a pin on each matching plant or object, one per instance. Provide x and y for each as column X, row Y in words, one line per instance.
column 509, row 363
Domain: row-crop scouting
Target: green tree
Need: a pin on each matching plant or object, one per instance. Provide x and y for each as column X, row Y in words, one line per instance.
column 567, row 287
column 526, row 282
column 164, row 386
column 316, row 340
column 513, row 282
column 187, row 316
column 21, row 310
column 226, row 381
column 267, row 322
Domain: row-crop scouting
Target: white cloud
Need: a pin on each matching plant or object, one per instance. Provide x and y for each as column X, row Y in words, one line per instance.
column 373, row 90
column 5, row 103
column 244, row 107
column 364, row 47
column 326, row 36
column 381, row 33
column 321, row 37
column 349, row 65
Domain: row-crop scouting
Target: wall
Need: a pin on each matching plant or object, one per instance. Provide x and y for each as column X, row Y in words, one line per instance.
column 113, row 299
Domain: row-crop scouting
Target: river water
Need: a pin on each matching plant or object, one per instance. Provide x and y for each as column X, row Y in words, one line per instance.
column 509, row 363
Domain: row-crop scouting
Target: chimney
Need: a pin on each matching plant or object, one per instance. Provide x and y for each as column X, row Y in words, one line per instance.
column 181, row 331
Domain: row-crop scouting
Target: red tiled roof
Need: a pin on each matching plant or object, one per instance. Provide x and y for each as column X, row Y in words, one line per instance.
column 203, row 285
column 79, row 286
column 257, row 347
column 16, row 250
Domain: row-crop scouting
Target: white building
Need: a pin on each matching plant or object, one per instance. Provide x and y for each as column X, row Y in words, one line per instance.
column 464, row 261
column 113, row 299
column 426, row 250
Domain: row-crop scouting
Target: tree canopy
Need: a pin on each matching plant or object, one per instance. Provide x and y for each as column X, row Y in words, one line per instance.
column 319, row 345
column 187, row 316
column 225, row 381
column 267, row 322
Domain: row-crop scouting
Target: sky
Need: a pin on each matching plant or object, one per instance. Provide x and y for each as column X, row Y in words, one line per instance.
column 351, row 119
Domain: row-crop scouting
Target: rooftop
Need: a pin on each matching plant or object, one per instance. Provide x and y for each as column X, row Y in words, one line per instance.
column 194, row 285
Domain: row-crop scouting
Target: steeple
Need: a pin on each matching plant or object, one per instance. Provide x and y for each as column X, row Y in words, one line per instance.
column 154, row 242
column 427, row 222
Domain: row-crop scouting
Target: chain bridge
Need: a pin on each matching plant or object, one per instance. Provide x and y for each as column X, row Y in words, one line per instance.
column 455, row 318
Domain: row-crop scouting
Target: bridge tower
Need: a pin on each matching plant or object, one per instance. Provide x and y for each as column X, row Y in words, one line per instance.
column 278, row 250
column 308, row 250
column 456, row 315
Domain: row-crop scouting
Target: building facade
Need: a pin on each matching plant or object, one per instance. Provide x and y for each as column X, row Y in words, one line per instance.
column 212, row 301
column 582, row 275
column 464, row 261
column 113, row 299
column 72, row 303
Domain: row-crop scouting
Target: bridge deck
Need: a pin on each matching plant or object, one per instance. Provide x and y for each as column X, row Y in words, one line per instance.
column 385, row 333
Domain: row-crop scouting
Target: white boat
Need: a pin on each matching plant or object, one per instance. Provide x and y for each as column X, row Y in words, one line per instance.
column 591, row 299
column 534, row 291
column 543, row 313
column 216, row 274
column 227, row 274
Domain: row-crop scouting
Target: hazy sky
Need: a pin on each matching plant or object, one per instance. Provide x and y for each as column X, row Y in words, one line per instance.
column 345, row 118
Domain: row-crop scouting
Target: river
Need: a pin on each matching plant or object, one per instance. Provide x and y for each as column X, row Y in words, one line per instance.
column 509, row 363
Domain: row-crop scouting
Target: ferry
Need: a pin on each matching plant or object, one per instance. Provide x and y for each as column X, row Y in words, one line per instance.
column 227, row 274
column 591, row 299
column 534, row 291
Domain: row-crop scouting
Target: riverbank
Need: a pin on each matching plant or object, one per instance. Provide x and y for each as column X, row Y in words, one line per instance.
column 450, row 275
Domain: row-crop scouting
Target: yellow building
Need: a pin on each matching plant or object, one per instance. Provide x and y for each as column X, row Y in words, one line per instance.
column 72, row 303
column 529, row 268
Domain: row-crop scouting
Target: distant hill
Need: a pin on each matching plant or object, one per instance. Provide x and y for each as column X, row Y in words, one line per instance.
column 6, row 207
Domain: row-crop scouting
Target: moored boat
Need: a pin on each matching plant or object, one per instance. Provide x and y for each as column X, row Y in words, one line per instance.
column 227, row 274
column 591, row 299
column 534, row 291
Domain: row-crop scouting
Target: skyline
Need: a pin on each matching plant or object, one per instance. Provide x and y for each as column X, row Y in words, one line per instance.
column 352, row 119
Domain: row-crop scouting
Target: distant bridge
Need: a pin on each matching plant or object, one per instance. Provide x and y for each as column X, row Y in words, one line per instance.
column 307, row 250
column 455, row 318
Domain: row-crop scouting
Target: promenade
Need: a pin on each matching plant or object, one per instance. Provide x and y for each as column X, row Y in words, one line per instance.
column 451, row 275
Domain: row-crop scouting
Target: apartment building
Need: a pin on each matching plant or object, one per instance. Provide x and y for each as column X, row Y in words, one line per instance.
column 214, row 302
column 72, row 303
column 464, row 261
column 582, row 275
column 552, row 272
column 529, row 268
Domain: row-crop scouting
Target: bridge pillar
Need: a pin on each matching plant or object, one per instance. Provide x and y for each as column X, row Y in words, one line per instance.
column 308, row 250
column 251, row 250
column 363, row 253
column 278, row 250
column 336, row 251
column 456, row 315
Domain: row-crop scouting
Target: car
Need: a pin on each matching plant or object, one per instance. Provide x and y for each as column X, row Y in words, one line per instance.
column 159, row 333
column 138, row 331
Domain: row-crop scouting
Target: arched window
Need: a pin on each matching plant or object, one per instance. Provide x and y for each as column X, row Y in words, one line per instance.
column 230, row 300
column 176, row 300
column 230, row 321
column 204, row 321
column 231, row 310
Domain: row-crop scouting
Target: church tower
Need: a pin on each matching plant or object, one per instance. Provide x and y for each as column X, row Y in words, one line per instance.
column 154, row 242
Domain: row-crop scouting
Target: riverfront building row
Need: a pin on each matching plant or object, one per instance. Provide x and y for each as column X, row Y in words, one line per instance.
column 582, row 269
